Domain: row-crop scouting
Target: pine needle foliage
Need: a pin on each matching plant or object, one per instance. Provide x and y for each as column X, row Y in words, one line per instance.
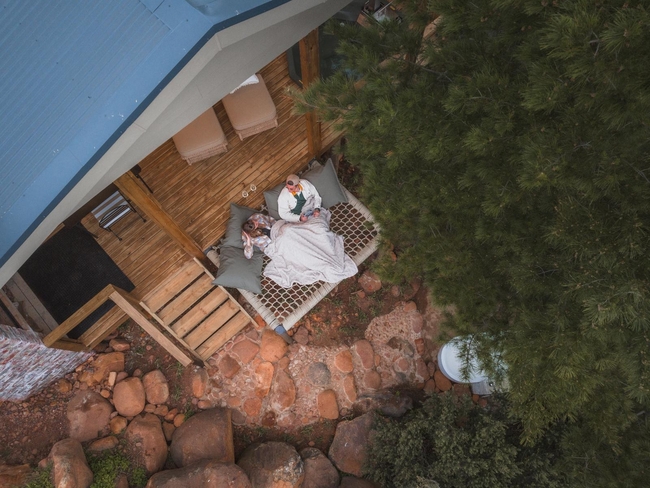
column 507, row 159
column 459, row 445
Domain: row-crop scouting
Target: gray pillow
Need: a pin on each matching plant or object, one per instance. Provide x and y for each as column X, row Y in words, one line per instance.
column 271, row 198
column 238, row 215
column 323, row 177
column 235, row 271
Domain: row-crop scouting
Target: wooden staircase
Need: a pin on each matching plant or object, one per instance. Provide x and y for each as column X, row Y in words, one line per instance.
column 186, row 314
column 194, row 312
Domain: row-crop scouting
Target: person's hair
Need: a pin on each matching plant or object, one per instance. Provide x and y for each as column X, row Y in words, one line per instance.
column 248, row 226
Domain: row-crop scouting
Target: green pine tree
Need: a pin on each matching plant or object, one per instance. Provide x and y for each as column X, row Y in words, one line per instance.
column 506, row 158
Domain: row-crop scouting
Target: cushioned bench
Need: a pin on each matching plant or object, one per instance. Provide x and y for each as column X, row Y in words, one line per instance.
column 201, row 138
column 250, row 109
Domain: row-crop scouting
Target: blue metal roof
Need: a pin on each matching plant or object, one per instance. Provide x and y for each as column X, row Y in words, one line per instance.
column 75, row 75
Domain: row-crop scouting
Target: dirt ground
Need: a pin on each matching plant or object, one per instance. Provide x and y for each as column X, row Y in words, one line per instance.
column 30, row 428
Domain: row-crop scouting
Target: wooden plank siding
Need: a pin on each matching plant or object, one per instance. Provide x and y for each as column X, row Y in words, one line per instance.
column 198, row 197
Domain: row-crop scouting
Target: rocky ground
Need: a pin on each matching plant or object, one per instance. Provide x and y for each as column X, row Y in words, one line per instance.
column 360, row 349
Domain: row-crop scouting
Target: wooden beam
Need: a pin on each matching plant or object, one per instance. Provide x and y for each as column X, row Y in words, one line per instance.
column 134, row 190
column 15, row 313
column 127, row 303
column 76, row 318
column 310, row 71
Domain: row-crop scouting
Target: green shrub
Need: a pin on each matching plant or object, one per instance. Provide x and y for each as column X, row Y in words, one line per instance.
column 41, row 478
column 458, row 445
column 107, row 465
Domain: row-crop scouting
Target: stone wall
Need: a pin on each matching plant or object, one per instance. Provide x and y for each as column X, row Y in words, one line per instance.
column 27, row 365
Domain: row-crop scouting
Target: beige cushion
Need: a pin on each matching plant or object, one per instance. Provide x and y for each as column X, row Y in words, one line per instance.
column 251, row 109
column 201, row 138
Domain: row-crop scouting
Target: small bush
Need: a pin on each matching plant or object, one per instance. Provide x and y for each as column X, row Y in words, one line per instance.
column 107, row 466
column 41, row 478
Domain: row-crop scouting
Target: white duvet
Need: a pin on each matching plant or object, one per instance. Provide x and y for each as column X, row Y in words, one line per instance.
column 307, row 252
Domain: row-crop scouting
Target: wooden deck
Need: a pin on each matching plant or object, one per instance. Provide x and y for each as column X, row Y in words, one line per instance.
column 198, row 196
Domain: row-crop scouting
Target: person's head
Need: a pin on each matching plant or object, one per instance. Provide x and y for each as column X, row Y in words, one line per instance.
column 292, row 182
column 248, row 226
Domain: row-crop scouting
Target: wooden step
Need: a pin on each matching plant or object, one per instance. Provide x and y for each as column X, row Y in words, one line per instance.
column 221, row 336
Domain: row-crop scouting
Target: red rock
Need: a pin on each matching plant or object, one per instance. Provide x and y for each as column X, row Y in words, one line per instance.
column 228, row 366
column 283, row 391
column 365, row 352
column 301, row 336
column 401, row 365
column 168, row 430
column 105, row 393
column 419, row 346
column 16, row 475
column 350, row 388
column 129, row 397
column 199, row 382
column 372, row 380
column 64, row 386
column 370, row 282
column 442, row 382
column 233, row 401
column 103, row 444
column 273, row 346
column 431, row 366
column 395, row 291
column 203, row 474
column 69, row 465
column 150, row 408
column 145, row 432
column 118, row 424
column 430, row 386
column 284, row 363
column 156, row 387
column 410, row 307
column 171, row 415
column 264, row 375
column 246, row 350
column 179, row 419
column 204, row 404
column 119, row 344
column 161, row 410
column 343, row 361
column 259, row 322
column 122, row 375
column 421, row 369
column 328, row 408
column 104, row 364
column 348, row 450
column 88, row 415
column 252, row 406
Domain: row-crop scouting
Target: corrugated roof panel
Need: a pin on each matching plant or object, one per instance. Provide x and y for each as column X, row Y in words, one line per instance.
column 56, row 69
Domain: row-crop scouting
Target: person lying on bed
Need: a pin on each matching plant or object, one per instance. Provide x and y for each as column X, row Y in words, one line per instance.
column 298, row 200
column 256, row 231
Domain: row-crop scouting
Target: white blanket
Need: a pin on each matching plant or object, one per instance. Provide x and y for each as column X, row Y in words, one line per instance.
column 307, row 252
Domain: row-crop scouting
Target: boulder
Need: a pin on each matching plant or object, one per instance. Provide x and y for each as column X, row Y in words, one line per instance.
column 155, row 387
column 88, row 414
column 69, row 466
column 353, row 482
column 273, row 346
column 319, row 471
column 129, row 397
column 206, row 435
column 104, row 364
column 348, row 449
column 145, row 434
column 119, row 344
column 273, row 465
column 13, row 475
column 118, row 424
column 202, row 474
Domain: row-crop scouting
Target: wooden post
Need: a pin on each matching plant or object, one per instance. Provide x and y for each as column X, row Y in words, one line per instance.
column 310, row 70
column 133, row 190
